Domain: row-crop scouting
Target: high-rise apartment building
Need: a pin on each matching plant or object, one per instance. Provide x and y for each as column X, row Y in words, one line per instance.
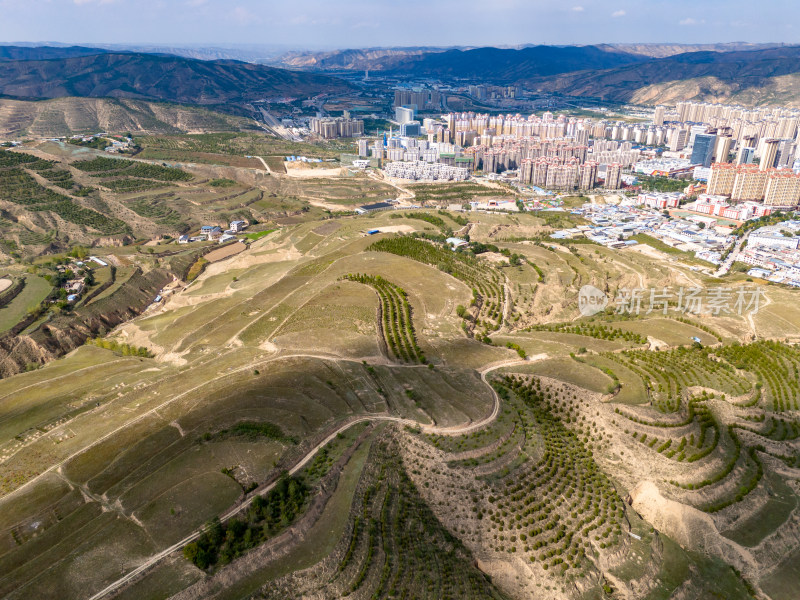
column 403, row 114
column 721, row 180
column 783, row 189
column 335, row 127
column 749, row 184
column 658, row 117
column 723, row 149
column 745, row 155
column 587, row 175
column 678, row 139
column 703, row 149
column 769, row 153
column 613, row 176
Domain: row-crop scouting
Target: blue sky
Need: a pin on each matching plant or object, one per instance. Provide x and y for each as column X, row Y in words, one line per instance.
column 360, row 23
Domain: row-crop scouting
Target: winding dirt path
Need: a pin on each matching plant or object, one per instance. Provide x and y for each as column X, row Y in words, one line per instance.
column 266, row 166
column 299, row 465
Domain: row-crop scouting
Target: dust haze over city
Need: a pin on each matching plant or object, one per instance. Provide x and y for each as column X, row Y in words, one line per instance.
column 368, row 300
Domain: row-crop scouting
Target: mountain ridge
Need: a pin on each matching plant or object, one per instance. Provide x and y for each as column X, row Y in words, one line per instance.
column 753, row 76
column 159, row 78
column 46, row 52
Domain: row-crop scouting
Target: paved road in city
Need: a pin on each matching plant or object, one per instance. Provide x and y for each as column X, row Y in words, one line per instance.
column 728, row 262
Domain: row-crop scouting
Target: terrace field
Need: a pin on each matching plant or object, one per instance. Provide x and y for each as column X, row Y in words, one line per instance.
column 326, row 413
column 54, row 195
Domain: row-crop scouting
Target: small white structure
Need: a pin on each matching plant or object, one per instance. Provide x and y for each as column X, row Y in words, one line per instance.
column 455, row 242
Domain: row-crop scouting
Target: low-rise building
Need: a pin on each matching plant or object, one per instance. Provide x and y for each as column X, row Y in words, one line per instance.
column 660, row 200
column 367, row 208
column 212, row 232
column 772, row 239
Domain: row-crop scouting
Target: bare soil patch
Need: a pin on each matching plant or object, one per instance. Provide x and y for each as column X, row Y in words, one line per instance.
column 226, row 252
column 299, row 171
column 397, row 229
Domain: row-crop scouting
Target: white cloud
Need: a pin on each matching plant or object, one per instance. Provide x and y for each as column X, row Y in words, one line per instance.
column 577, row 9
column 618, row 13
column 691, row 21
column 244, row 16
column 82, row 2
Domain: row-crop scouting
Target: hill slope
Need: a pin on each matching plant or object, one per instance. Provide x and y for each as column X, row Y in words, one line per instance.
column 757, row 76
column 656, row 50
column 153, row 77
column 66, row 116
column 353, row 58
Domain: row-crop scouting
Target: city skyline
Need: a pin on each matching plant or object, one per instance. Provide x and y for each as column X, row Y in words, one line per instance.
column 318, row 25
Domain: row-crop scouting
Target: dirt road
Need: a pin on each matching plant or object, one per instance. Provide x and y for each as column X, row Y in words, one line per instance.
column 458, row 430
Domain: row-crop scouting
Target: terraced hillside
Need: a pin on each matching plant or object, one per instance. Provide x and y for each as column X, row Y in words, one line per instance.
column 68, row 116
column 333, row 414
column 54, row 195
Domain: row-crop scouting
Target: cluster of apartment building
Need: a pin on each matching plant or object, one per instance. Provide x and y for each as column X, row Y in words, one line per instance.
column 775, row 187
column 547, row 126
column 493, row 92
column 608, row 152
column 548, row 151
column 569, row 175
column 418, row 99
column 568, row 153
column 330, row 128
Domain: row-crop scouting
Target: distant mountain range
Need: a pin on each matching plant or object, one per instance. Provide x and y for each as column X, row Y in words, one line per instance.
column 638, row 73
column 355, row 59
column 45, row 52
column 508, row 65
column 400, row 58
column 154, row 77
column 656, row 50
column 750, row 77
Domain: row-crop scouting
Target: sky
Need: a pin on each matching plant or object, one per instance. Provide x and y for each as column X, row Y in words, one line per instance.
column 316, row 24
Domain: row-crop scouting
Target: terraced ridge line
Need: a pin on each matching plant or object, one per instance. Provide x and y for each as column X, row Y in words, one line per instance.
column 396, row 323
column 487, row 284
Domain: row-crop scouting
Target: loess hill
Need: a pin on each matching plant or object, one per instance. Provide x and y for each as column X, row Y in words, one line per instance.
column 329, row 414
